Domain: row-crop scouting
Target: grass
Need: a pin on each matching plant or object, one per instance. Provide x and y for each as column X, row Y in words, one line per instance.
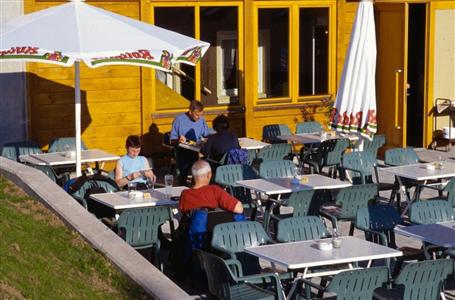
column 42, row 259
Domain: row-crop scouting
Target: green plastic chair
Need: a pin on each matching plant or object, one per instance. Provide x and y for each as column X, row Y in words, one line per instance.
column 361, row 166
column 358, row 284
column 421, row 280
column 431, row 211
column 448, row 188
column 270, row 133
column 85, row 185
column 304, row 203
column 274, row 152
column 308, row 127
column 327, row 154
column 140, row 227
column 301, row 229
column 59, row 179
column 400, row 157
column 15, row 149
column 228, row 175
column 233, row 237
column 378, row 223
column 60, row 144
column 277, row 168
column 372, row 147
column 224, row 284
column 350, row 200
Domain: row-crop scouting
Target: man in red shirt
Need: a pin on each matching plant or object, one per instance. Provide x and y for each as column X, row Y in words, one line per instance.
column 204, row 195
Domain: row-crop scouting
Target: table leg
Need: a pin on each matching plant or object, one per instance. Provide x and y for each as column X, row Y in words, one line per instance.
column 405, row 196
column 268, row 211
column 295, row 282
column 415, row 196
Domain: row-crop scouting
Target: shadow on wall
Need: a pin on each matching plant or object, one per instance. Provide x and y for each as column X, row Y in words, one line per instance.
column 13, row 112
column 152, row 141
column 52, row 110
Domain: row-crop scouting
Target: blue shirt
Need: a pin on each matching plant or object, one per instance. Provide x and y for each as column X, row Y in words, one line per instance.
column 190, row 129
column 130, row 165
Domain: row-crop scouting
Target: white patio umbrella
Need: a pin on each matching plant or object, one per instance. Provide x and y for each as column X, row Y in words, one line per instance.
column 74, row 32
column 355, row 105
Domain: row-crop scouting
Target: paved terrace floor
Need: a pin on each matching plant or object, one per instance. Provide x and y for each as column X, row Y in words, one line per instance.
column 424, row 155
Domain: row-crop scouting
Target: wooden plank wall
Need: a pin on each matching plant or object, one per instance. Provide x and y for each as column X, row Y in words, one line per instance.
column 115, row 105
column 111, row 96
column 346, row 11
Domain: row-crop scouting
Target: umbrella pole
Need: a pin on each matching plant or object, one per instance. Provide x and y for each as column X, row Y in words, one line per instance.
column 77, row 116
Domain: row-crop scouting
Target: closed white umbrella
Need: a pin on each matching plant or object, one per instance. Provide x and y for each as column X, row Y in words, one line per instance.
column 355, row 105
column 74, row 32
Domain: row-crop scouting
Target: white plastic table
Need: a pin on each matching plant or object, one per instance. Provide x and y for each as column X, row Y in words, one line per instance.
column 421, row 174
column 251, row 144
column 60, row 158
column 276, row 186
column 244, row 142
column 306, row 254
column 312, row 138
column 119, row 201
column 439, row 234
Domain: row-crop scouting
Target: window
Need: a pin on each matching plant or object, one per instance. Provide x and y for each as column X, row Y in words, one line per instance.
column 313, row 51
column 219, row 66
column 181, row 20
column 226, row 59
column 273, row 42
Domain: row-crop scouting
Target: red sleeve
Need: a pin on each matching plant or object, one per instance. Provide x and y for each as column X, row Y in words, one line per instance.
column 182, row 202
column 225, row 201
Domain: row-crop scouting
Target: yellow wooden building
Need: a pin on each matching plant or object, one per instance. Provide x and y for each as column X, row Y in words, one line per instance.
column 269, row 62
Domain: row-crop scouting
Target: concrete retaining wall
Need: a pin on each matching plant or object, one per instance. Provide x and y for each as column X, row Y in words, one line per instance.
column 39, row 186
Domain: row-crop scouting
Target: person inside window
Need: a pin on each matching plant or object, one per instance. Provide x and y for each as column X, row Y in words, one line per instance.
column 189, row 127
column 133, row 167
column 222, row 141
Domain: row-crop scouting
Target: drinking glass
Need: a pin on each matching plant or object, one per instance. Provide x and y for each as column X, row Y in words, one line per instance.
column 297, row 175
column 150, row 183
column 66, row 149
column 131, row 189
column 168, row 183
column 336, row 239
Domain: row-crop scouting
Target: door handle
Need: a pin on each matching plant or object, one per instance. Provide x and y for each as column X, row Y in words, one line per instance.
column 397, row 95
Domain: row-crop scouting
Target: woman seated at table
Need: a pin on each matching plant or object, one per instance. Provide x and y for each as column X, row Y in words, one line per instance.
column 222, row 141
column 133, row 167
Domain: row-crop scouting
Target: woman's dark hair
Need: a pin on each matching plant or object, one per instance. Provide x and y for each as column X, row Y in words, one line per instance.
column 220, row 123
column 133, row 141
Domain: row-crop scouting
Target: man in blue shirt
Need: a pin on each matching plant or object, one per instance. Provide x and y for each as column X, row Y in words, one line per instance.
column 189, row 126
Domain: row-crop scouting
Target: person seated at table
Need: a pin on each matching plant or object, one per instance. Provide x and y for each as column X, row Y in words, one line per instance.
column 188, row 127
column 206, row 195
column 199, row 211
column 222, row 141
column 133, row 167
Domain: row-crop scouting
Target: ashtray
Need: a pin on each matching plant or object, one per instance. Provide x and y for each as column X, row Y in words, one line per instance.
column 135, row 194
column 324, row 246
column 430, row 166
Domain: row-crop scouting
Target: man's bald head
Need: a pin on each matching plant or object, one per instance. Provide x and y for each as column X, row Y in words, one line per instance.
column 200, row 168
